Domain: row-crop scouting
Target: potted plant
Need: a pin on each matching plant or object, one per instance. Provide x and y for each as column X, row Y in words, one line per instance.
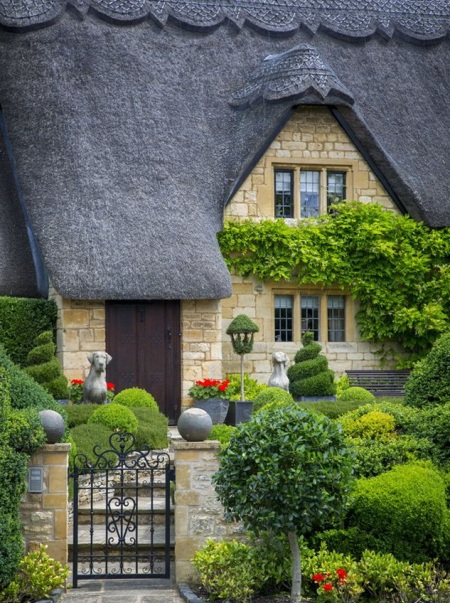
column 211, row 395
column 241, row 331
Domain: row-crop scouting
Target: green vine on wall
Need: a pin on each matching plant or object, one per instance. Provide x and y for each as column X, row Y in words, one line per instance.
column 397, row 268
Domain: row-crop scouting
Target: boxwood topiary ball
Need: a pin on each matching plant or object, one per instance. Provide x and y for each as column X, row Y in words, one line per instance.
column 194, row 425
column 53, row 425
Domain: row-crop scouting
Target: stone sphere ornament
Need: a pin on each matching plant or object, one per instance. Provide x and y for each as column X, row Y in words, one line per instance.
column 194, row 425
column 53, row 425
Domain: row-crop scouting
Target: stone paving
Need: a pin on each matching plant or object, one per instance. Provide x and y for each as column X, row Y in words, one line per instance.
column 123, row 591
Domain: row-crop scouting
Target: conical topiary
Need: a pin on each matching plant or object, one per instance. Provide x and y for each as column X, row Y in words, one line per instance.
column 310, row 375
column 241, row 331
column 44, row 367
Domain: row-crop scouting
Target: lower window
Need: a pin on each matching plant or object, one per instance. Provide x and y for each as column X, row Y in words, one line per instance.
column 322, row 315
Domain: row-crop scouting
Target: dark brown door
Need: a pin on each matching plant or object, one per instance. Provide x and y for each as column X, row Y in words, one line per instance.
column 143, row 339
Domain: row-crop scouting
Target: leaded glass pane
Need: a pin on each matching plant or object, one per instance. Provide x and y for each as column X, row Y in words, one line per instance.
column 310, row 315
column 336, row 187
column 284, row 305
column 336, row 317
column 309, row 193
column 284, row 204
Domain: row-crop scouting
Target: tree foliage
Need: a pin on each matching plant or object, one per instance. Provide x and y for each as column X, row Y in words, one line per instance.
column 286, row 470
column 397, row 268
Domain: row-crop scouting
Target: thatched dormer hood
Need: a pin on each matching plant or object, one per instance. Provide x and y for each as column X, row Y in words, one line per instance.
column 128, row 124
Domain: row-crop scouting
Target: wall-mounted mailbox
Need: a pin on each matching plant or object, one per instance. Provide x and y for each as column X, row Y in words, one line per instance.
column 35, row 479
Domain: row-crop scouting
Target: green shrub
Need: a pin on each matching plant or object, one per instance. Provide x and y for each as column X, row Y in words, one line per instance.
column 251, row 386
column 152, row 428
column 433, row 423
column 25, row 392
column 429, row 381
column 136, row 397
column 373, row 425
column 116, row 417
column 13, row 471
column 310, row 376
column 88, row 436
column 24, row 430
column 37, row 576
column 376, row 456
column 404, row 509
column 359, row 394
column 331, row 409
column 272, row 395
column 228, row 570
column 44, row 367
column 404, row 416
column 78, row 414
column 21, row 320
column 222, row 433
column 347, row 541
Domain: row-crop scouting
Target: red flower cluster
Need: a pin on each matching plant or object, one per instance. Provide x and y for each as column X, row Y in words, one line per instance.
column 110, row 386
column 221, row 385
column 327, row 586
column 76, row 381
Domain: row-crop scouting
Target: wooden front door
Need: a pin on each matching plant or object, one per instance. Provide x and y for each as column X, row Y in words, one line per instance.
column 143, row 339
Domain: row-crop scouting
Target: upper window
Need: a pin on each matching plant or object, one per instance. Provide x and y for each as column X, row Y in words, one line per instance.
column 308, row 193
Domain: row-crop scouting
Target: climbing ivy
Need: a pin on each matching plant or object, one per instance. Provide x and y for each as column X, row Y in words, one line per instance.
column 397, row 268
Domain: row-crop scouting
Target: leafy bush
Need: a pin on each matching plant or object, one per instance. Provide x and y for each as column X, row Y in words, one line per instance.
column 376, row 456
column 88, row 436
column 24, row 430
column 25, row 392
column 310, row 376
column 152, row 428
column 404, row 416
column 433, row 423
column 116, row 417
column 222, row 433
column 331, row 409
column 429, row 381
column 228, row 570
column 44, row 367
column 77, row 414
column 251, row 386
column 136, row 397
column 37, row 576
column 373, row 425
column 272, row 395
column 288, row 471
column 404, row 509
column 357, row 394
column 21, row 320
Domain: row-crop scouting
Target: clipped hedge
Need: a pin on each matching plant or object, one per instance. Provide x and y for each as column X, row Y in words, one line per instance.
column 152, row 429
column 136, row 397
column 21, row 320
column 429, row 381
column 116, row 417
column 272, row 395
column 403, row 509
column 45, row 368
column 357, row 394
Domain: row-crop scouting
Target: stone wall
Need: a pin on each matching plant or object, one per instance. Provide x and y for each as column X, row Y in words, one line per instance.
column 44, row 515
column 198, row 513
column 80, row 330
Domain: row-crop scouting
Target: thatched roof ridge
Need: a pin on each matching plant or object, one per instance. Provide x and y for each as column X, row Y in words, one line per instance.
column 128, row 140
column 412, row 19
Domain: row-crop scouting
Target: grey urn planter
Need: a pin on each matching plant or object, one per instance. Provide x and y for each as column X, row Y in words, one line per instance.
column 239, row 411
column 217, row 408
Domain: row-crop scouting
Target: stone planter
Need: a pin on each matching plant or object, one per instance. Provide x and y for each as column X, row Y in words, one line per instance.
column 215, row 407
column 239, row 411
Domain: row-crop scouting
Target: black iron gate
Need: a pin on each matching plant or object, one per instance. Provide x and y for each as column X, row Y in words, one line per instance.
column 121, row 512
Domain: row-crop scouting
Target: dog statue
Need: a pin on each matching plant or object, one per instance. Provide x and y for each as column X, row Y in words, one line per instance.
column 279, row 378
column 94, row 389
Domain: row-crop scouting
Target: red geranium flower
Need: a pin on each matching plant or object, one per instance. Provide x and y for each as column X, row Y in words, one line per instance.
column 327, row 587
column 342, row 574
column 318, row 577
column 110, row 386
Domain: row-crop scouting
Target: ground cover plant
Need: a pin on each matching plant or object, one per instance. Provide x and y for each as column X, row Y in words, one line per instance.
column 287, row 470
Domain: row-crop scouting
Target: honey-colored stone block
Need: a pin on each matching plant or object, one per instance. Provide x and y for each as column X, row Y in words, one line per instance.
column 57, row 482
column 54, row 501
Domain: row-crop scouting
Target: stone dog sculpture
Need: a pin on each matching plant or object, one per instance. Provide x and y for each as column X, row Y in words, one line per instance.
column 94, row 389
column 279, row 378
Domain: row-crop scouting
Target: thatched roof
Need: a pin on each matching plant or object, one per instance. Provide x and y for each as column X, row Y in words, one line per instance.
column 133, row 122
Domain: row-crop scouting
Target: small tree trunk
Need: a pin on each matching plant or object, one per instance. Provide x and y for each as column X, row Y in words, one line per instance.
column 242, row 377
column 296, row 590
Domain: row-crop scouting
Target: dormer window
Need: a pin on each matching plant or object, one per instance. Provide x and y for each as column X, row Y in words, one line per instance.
column 308, row 192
